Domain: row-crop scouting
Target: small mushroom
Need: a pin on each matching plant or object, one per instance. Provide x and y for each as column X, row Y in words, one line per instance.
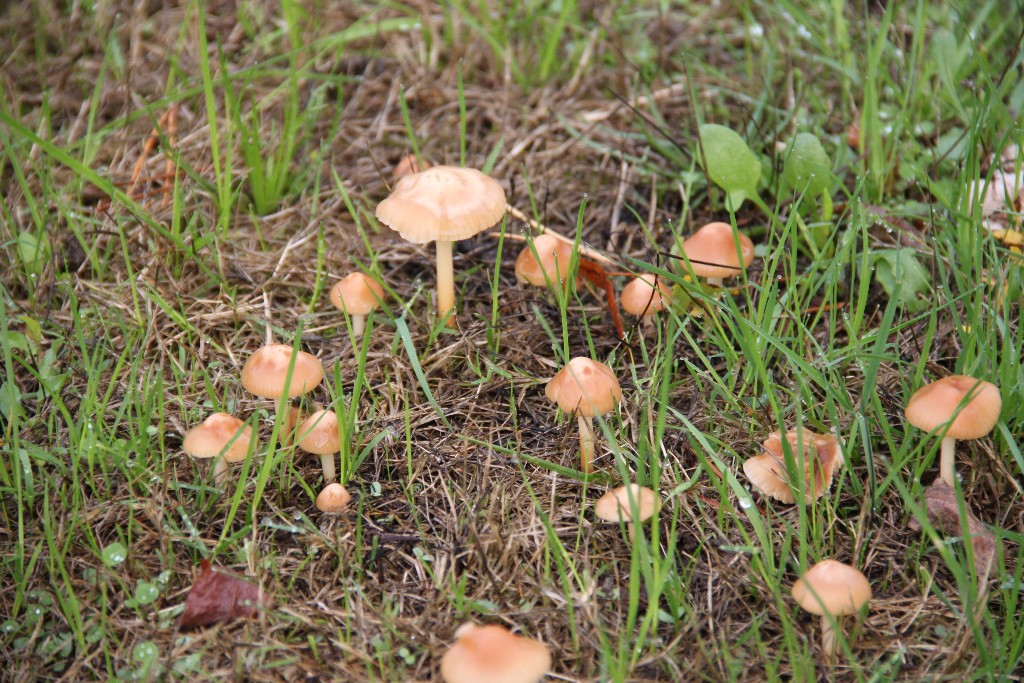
column 408, row 165
column 957, row 407
column 585, row 388
column 492, row 654
column 265, row 373
column 318, row 434
column 819, row 454
column 645, row 295
column 549, row 266
column 443, row 204
column 618, row 504
column 832, row 590
column 220, row 436
column 713, row 254
column 358, row 295
column 333, row 499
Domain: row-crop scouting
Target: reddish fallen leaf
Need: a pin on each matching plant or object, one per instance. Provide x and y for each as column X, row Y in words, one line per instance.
column 944, row 514
column 220, row 596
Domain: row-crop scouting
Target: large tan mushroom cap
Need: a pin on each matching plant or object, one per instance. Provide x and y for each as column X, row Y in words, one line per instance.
column 821, row 453
column 443, row 203
column 210, row 438
column 334, row 498
column 357, row 294
column 491, row 654
column 832, row 588
column 714, row 246
column 645, row 296
column 615, row 505
column 555, row 257
column 584, row 387
column 932, row 406
column 318, row 433
column 265, row 372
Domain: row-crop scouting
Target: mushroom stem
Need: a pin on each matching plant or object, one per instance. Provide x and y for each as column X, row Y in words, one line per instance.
column 828, row 638
column 586, row 443
column 220, row 470
column 327, row 463
column 716, row 282
column 946, row 470
column 358, row 325
column 445, row 282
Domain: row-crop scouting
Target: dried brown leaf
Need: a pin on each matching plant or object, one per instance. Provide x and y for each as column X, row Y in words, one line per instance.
column 944, row 514
column 220, row 596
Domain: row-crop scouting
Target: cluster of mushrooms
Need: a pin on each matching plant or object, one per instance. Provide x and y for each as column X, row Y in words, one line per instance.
column 445, row 204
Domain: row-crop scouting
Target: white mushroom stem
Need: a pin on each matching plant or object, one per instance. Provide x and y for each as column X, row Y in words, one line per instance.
column 716, row 282
column 327, row 463
column 586, row 443
column 445, row 282
column 946, row 470
column 358, row 325
column 828, row 638
column 220, row 470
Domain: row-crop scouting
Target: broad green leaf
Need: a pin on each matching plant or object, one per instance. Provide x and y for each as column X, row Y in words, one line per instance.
column 808, row 167
column 730, row 163
column 903, row 278
column 114, row 554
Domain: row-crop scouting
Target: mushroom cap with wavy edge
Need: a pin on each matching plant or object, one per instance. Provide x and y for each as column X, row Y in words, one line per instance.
column 645, row 296
column 266, row 370
column 615, row 505
column 210, row 438
column 443, row 203
column 714, row 246
column 318, row 433
column 491, row 654
column 932, row 406
column 832, row 588
column 334, row 498
column 584, row 387
column 357, row 294
column 767, row 472
column 555, row 258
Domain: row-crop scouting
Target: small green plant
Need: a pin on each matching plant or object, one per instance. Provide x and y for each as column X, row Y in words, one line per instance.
column 730, row 164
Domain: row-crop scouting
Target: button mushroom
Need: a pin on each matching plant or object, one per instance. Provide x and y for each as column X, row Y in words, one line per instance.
column 832, row 590
column 716, row 252
column 220, row 436
column 618, row 505
column 318, row 434
column 357, row 295
column 492, row 654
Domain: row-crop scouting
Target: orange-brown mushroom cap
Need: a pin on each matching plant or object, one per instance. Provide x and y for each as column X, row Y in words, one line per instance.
column 933, row 405
column 491, row 654
column 832, row 588
column 615, row 505
column 212, row 437
column 443, row 203
column 333, row 499
column 265, row 372
column 550, row 265
column 357, row 294
column 712, row 251
column 584, row 387
column 821, row 454
column 318, row 433
column 645, row 296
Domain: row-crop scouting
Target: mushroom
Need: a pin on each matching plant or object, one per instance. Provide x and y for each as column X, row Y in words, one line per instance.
column 645, row 295
column 333, row 499
column 407, row 165
column 817, row 453
column 220, row 435
column 585, row 388
column 832, row 590
column 443, row 204
column 265, row 373
column 712, row 252
column 957, row 407
column 617, row 505
column 358, row 295
column 549, row 266
column 493, row 654
column 318, row 434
